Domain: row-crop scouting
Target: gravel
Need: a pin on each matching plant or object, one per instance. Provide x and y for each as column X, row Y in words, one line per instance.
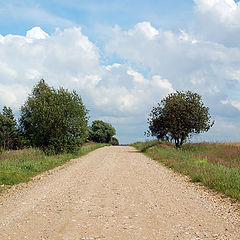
column 116, row 193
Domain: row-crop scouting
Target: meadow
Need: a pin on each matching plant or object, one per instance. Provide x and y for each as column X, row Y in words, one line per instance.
column 213, row 164
column 18, row 166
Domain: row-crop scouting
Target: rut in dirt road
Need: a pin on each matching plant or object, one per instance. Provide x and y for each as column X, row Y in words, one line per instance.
column 115, row 193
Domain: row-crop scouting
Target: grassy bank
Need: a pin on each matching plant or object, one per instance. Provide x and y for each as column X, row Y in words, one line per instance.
column 19, row 166
column 215, row 165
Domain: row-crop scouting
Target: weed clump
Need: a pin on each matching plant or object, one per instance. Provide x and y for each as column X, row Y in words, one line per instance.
column 18, row 166
column 215, row 165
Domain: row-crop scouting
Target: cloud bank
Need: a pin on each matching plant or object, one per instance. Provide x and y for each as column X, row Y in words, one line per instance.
column 152, row 63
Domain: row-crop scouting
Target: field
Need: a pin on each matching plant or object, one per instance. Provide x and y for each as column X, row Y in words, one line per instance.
column 213, row 164
column 21, row 165
column 237, row 144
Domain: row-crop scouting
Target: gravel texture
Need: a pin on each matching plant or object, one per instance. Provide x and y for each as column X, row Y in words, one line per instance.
column 115, row 193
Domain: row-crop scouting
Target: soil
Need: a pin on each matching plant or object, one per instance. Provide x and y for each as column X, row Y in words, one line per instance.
column 115, row 193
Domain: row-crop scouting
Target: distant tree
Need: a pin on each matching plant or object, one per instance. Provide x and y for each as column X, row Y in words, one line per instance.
column 114, row 141
column 8, row 129
column 101, row 132
column 89, row 134
column 54, row 120
column 178, row 116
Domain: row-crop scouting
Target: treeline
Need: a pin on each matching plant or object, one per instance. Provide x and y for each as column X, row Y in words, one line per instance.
column 54, row 120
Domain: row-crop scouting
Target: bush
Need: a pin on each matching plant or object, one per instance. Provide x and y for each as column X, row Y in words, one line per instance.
column 54, row 120
column 114, row 141
column 101, row 132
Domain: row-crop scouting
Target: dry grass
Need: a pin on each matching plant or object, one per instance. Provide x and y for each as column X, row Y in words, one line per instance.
column 30, row 153
column 224, row 154
column 232, row 144
column 215, row 165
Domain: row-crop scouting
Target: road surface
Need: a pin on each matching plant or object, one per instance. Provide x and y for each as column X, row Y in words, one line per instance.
column 115, row 193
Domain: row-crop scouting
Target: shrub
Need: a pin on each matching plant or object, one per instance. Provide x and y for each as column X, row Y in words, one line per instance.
column 114, row 141
column 54, row 120
column 101, row 132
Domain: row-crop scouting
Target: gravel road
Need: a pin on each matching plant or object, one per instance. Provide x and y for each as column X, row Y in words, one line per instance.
column 115, row 193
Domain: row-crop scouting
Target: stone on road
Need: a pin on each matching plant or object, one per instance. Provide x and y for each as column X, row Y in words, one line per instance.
column 115, row 193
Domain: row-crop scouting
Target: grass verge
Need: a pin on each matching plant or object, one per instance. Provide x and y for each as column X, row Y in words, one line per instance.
column 21, row 165
column 215, row 165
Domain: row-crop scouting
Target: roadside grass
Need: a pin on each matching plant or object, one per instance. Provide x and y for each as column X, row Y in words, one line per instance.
column 232, row 143
column 213, row 164
column 21, row 165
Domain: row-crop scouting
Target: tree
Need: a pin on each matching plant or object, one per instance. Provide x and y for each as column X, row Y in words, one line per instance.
column 8, row 129
column 114, row 141
column 178, row 116
column 54, row 120
column 101, row 132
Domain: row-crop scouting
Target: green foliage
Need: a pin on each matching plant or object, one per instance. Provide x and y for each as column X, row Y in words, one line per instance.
column 21, row 165
column 54, row 120
column 8, row 130
column 101, row 132
column 215, row 165
column 178, row 116
column 114, row 141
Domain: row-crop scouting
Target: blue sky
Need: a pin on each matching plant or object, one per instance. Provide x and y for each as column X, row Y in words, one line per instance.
column 123, row 57
column 92, row 14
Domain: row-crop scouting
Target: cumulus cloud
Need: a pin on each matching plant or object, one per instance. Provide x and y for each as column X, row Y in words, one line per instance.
column 218, row 21
column 235, row 104
column 36, row 33
column 187, row 62
column 225, row 10
column 152, row 63
column 68, row 58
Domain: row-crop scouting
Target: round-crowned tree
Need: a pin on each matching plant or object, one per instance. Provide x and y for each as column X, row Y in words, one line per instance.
column 101, row 132
column 114, row 141
column 179, row 116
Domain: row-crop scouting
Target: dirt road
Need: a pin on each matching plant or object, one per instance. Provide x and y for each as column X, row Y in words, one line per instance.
column 115, row 193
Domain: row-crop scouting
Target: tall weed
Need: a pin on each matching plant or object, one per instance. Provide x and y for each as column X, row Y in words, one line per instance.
column 215, row 165
column 21, row 165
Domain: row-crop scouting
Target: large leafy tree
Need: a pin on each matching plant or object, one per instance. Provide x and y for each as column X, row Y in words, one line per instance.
column 8, row 129
column 178, row 116
column 101, row 132
column 54, row 120
column 114, row 141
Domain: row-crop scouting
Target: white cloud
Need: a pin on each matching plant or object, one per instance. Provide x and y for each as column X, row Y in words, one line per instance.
column 36, row 33
column 163, row 84
column 187, row 62
column 69, row 59
column 151, row 64
column 235, row 104
column 138, row 77
column 144, row 29
column 235, row 74
column 187, row 37
column 225, row 10
column 12, row 95
column 219, row 21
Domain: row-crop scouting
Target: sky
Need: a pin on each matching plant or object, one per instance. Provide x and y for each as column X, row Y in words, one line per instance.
column 123, row 57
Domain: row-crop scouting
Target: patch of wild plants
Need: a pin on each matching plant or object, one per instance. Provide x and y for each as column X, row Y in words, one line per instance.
column 21, row 165
column 215, row 165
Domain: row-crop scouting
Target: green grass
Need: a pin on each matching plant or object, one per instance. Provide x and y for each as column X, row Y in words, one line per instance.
column 215, row 165
column 21, row 165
